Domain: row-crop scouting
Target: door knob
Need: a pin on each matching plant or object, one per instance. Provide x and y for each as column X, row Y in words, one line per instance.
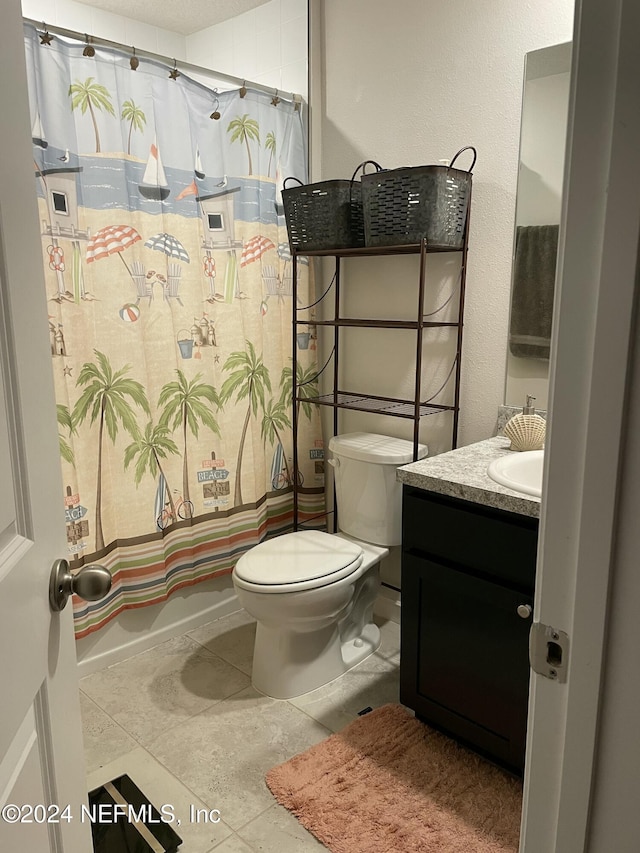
column 524, row 611
column 91, row 583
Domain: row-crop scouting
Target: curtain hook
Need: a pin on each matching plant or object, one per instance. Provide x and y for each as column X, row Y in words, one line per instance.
column 174, row 73
column 243, row 89
column 45, row 37
column 275, row 100
column 134, row 61
column 89, row 49
column 216, row 113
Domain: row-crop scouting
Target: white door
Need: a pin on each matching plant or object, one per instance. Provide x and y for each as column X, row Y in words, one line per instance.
column 593, row 339
column 41, row 761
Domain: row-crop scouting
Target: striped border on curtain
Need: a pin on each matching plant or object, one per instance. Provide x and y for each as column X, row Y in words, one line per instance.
column 149, row 571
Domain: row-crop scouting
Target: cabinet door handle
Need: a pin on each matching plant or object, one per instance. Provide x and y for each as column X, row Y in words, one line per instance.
column 524, row 611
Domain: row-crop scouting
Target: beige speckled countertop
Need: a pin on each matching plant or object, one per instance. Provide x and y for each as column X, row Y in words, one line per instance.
column 463, row 474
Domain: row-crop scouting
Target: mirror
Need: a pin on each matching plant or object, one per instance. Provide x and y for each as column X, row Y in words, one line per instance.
column 545, row 106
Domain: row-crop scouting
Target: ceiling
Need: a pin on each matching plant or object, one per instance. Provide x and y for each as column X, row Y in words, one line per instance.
column 180, row 16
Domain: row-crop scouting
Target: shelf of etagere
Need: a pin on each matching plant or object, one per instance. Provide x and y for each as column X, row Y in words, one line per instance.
column 414, row 409
column 375, row 251
column 379, row 405
column 375, row 324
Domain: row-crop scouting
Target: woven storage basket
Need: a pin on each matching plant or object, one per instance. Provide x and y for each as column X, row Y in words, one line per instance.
column 401, row 206
column 325, row 215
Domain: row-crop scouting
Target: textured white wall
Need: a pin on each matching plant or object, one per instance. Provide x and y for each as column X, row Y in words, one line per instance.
column 267, row 44
column 97, row 22
column 409, row 83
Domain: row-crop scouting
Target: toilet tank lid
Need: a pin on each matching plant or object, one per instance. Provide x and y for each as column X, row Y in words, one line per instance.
column 371, row 447
column 295, row 558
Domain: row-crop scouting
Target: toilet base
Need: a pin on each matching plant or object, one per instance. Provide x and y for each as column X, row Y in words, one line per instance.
column 287, row 664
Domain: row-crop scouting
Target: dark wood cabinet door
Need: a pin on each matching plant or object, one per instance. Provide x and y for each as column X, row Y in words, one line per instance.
column 464, row 661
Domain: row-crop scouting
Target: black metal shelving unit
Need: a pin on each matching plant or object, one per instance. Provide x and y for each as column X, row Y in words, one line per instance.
column 413, row 409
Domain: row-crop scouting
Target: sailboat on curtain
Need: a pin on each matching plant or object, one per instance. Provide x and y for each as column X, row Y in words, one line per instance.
column 37, row 133
column 279, row 188
column 198, row 170
column 154, row 181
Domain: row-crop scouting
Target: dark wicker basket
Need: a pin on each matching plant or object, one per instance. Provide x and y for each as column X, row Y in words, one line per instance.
column 401, row 206
column 325, row 215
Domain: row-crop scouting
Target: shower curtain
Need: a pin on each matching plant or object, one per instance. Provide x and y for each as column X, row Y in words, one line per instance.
column 168, row 278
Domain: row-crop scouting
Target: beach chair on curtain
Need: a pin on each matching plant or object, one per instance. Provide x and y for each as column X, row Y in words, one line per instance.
column 174, row 271
column 144, row 288
column 287, row 280
column 272, row 282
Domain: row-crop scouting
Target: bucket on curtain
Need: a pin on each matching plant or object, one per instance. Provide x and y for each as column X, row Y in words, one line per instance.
column 176, row 404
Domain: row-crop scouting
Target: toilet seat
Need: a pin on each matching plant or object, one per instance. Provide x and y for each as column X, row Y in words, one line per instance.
column 304, row 560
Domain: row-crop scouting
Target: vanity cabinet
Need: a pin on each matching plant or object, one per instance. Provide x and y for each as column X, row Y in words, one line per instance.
column 468, row 574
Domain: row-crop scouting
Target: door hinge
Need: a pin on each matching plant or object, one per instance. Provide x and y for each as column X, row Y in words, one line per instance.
column 549, row 651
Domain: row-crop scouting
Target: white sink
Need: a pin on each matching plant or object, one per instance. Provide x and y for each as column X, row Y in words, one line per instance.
column 521, row 472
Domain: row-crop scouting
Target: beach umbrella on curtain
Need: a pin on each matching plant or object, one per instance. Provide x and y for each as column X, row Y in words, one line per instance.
column 112, row 240
column 170, row 245
column 284, row 253
column 254, row 249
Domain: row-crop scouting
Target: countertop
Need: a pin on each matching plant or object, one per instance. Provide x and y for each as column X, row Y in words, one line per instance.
column 463, row 474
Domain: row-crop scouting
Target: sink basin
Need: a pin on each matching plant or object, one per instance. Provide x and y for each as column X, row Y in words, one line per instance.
column 521, row 472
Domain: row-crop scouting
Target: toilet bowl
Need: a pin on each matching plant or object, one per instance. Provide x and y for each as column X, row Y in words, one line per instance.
column 312, row 596
column 312, row 593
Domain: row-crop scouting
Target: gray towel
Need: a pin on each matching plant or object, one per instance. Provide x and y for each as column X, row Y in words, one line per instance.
column 534, row 275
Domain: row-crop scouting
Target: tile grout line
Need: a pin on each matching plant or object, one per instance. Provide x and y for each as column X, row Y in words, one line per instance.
column 148, row 747
column 107, row 714
column 215, row 654
column 211, row 705
column 157, row 760
column 190, row 717
column 187, row 788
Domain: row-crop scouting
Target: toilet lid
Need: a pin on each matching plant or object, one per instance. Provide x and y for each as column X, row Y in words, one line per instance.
column 298, row 558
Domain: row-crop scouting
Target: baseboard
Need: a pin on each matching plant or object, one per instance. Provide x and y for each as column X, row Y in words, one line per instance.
column 387, row 607
column 135, row 631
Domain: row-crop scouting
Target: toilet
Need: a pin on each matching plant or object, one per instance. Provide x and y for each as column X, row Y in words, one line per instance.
column 312, row 593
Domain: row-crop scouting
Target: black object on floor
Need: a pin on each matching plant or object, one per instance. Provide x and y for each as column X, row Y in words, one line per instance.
column 124, row 821
column 364, row 711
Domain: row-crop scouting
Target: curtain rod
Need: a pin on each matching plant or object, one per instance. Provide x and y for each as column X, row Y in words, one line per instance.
column 157, row 57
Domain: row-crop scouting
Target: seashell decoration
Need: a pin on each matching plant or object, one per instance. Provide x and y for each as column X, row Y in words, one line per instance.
column 527, row 432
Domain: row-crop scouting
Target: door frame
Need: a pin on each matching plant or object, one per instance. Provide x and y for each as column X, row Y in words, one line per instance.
column 591, row 347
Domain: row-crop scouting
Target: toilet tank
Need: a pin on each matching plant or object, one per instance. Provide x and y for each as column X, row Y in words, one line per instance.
column 368, row 496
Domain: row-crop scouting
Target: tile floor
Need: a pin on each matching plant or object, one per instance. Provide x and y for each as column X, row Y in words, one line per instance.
column 184, row 722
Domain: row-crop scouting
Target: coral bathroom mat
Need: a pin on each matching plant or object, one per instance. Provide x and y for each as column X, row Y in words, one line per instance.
column 388, row 783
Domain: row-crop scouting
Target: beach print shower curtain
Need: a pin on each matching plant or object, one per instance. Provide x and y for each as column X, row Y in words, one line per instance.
column 169, row 286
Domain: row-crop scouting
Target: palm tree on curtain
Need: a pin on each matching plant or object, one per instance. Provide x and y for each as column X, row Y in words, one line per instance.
column 248, row 380
column 91, row 96
column 185, row 405
column 244, row 129
column 64, row 421
column 275, row 418
column 150, row 447
column 136, row 118
column 270, row 145
column 307, row 388
column 106, row 399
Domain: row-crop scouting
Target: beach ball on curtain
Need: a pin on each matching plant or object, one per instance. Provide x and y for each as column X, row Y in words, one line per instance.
column 129, row 312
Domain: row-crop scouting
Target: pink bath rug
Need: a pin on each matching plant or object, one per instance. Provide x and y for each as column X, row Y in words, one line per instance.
column 388, row 783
